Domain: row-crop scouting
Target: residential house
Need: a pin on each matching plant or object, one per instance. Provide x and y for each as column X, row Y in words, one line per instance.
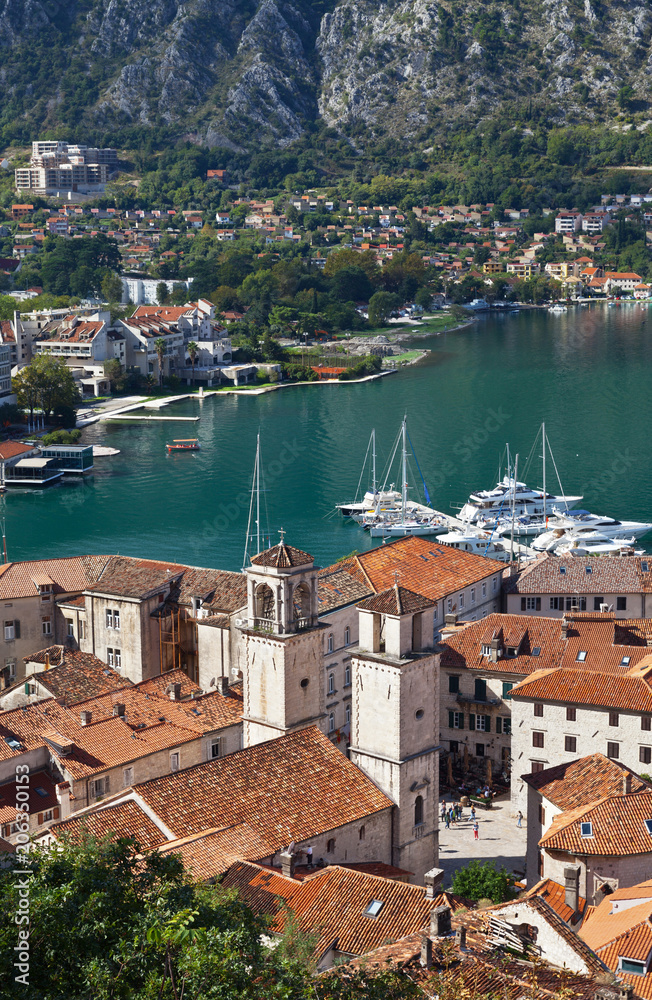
column 568, row 222
column 623, row 281
column 554, row 585
column 619, row 932
column 62, row 672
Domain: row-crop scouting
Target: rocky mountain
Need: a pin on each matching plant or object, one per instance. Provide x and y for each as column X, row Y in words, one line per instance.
column 242, row 73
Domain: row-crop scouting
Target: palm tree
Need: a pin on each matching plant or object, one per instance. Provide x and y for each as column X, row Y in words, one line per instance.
column 160, row 350
column 193, row 351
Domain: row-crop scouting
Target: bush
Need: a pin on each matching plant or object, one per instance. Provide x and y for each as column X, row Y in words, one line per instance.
column 369, row 365
column 66, row 416
column 483, row 881
column 62, row 437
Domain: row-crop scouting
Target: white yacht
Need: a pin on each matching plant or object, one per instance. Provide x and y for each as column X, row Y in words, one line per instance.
column 558, row 307
column 528, row 502
column 371, row 501
column 598, row 545
column 400, row 528
column 583, row 524
column 479, row 543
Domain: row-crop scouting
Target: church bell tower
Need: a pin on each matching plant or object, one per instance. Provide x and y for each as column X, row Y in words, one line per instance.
column 395, row 718
column 282, row 670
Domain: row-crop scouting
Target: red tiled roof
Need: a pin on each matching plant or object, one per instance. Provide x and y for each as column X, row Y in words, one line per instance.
column 588, row 687
column 609, row 575
column 304, row 786
column 70, row 575
column 618, row 827
column 555, row 896
column 396, row 601
column 212, row 852
column 127, row 577
column 337, row 588
column 74, row 675
column 125, row 819
column 10, row 449
column 463, row 649
column 580, row 782
column 282, row 556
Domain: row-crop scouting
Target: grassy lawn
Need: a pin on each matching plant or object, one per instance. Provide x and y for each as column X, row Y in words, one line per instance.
column 408, row 356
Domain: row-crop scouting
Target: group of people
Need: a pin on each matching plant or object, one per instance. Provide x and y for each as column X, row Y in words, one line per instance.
column 450, row 815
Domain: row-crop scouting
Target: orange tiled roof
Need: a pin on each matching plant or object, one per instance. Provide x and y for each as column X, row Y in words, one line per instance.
column 128, row 577
column 71, row 574
column 555, row 896
column 304, row 786
column 282, row 556
column 125, row 819
column 588, row 687
column 617, row 824
column 609, row 575
column 74, row 675
column 337, row 588
column 423, row 566
column 212, row 852
column 580, row 782
column 396, row 601
column 463, row 649
column 10, row 449
column 332, row 904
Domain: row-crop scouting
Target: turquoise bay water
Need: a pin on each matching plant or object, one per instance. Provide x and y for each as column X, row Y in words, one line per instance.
column 585, row 373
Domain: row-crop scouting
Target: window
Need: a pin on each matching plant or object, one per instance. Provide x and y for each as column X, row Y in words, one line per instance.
column 625, row 661
column 472, row 595
column 330, row 846
column 46, row 625
column 348, row 714
column 361, row 833
column 174, row 761
column 581, row 656
column 648, row 825
column 128, row 777
column 646, row 723
column 480, row 689
column 484, row 589
column 495, row 583
column 99, row 787
column 633, row 967
column 109, row 656
column 645, row 755
column 537, row 739
column 570, row 744
column 10, row 631
column 480, row 722
column 586, row 829
column 530, row 604
column 644, row 566
column 454, row 746
column 614, row 719
column 374, row 908
column 82, row 630
column 589, row 569
column 456, row 720
column 555, row 603
column 418, row 810
column 216, row 749
column 329, row 643
column 347, row 676
column 486, row 649
column 453, row 684
column 597, row 602
column 461, row 600
column 571, row 713
column 562, row 570
column 621, row 604
column 538, row 710
column 70, row 627
column 449, row 604
column 542, row 815
column 347, row 636
column 536, row 651
column 331, row 683
column 504, row 724
column 479, row 749
column 116, row 619
column 507, row 690
column 537, row 766
column 613, row 750
column 331, row 723
column 575, row 603
column 109, row 618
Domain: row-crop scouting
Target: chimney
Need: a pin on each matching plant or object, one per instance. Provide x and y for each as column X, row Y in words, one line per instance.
column 433, row 880
column 119, row 710
column 564, row 628
column 175, row 692
column 440, row 921
column 86, row 718
column 63, row 798
column 627, row 783
column 287, row 864
column 426, row 952
column 223, row 685
column 46, row 665
column 494, row 656
column 572, row 886
column 460, row 937
column 450, row 619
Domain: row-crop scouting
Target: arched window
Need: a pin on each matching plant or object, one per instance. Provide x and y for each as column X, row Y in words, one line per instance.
column 300, row 602
column 418, row 810
column 265, row 602
column 347, row 636
column 330, row 643
column 331, row 723
column 331, row 683
column 330, row 846
column 361, row 833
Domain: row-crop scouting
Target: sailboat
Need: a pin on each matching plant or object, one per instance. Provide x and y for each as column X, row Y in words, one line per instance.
column 255, row 496
column 411, row 519
column 374, row 496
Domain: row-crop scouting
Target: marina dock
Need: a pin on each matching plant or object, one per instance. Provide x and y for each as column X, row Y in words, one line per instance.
column 149, row 416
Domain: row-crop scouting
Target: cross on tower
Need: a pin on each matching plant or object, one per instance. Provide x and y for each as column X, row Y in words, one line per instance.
column 282, row 534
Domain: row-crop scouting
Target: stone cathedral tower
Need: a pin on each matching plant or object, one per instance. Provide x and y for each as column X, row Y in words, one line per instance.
column 395, row 718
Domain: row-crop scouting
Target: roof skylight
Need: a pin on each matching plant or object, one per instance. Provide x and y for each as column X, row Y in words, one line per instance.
column 374, row 908
column 536, row 651
column 648, row 825
column 586, row 829
column 581, row 656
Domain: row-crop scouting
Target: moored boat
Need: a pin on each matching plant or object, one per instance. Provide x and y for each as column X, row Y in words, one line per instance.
column 184, row 444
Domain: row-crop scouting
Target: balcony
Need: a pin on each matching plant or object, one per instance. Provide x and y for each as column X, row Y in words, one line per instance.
column 470, row 699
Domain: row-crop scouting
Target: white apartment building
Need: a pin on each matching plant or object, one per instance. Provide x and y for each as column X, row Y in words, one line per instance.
column 568, row 222
column 143, row 291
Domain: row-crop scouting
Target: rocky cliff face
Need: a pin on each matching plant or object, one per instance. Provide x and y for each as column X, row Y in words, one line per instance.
column 243, row 73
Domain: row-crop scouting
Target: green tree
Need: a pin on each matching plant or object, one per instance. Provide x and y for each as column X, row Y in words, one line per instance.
column 625, row 97
column 111, row 287
column 159, row 346
column 482, row 880
column 193, row 351
column 161, row 293
column 381, row 305
column 48, row 383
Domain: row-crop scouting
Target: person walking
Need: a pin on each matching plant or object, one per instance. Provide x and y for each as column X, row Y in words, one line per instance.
column 308, row 853
column 443, row 811
column 447, row 821
column 519, row 819
column 476, row 830
column 473, row 813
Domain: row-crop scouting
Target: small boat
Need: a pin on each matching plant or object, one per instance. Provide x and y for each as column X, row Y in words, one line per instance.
column 479, row 543
column 184, row 444
column 557, row 308
column 583, row 524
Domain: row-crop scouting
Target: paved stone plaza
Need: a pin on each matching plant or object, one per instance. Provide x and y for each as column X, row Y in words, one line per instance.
column 500, row 839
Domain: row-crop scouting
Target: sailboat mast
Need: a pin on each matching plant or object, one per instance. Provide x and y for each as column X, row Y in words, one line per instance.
column 373, row 460
column 258, row 549
column 545, row 495
column 511, row 544
column 404, row 492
